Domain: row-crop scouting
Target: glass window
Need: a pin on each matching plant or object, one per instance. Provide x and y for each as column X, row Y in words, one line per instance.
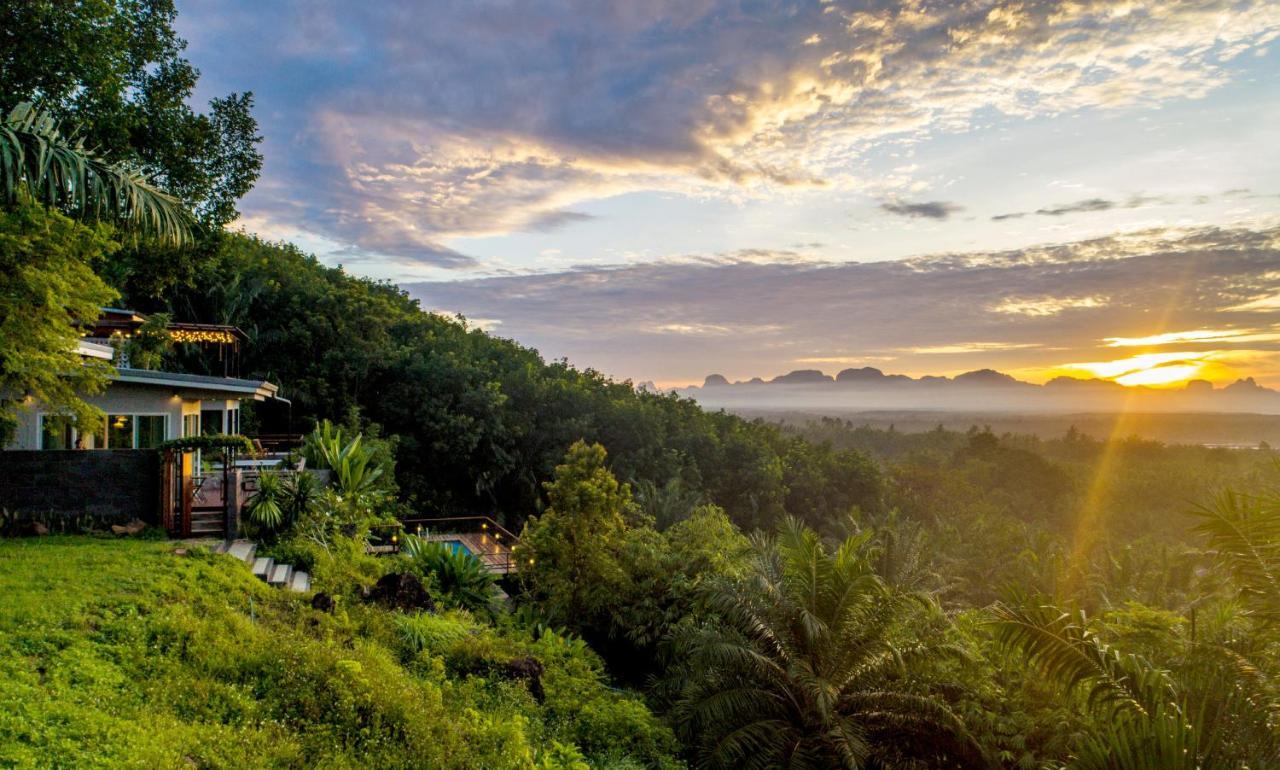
column 55, row 432
column 151, row 431
column 120, row 431
column 211, row 421
column 190, row 425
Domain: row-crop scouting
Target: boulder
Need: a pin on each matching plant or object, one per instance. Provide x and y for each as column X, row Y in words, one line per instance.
column 132, row 528
column 323, row 602
column 529, row 669
column 400, row 590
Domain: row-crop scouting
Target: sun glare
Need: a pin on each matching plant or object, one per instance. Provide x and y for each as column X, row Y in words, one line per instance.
column 1174, row 374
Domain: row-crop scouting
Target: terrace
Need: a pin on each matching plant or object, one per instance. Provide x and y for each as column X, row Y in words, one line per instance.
column 494, row 545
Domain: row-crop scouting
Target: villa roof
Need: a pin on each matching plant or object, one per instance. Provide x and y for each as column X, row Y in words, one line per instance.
column 119, row 321
column 208, row 387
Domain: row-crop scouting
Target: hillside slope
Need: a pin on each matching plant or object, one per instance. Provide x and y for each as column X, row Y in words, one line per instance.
column 123, row 654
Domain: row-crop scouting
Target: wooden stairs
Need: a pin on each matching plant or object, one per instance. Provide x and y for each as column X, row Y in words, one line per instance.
column 265, row 568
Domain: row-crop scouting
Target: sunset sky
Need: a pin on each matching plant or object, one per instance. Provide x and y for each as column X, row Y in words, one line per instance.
column 660, row 190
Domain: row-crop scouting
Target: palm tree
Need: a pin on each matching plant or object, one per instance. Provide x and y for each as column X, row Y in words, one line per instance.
column 1209, row 708
column 798, row 668
column 39, row 162
column 1244, row 532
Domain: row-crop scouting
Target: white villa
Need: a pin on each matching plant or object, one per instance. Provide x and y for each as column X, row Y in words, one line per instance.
column 143, row 409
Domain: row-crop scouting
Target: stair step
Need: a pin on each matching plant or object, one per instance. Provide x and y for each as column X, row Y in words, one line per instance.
column 202, row 527
column 301, row 582
column 243, row 550
column 262, row 567
column 280, row 574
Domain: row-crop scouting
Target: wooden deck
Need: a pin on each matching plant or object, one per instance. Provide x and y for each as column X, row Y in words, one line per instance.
column 491, row 545
column 495, row 555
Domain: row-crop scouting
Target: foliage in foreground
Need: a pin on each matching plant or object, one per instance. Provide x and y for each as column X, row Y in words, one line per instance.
column 120, row 653
column 803, row 665
column 47, row 286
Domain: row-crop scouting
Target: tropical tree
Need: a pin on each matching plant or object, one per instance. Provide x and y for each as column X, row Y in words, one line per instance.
column 114, row 69
column 47, row 288
column 1209, row 707
column 800, row 667
column 576, row 543
column 1244, row 532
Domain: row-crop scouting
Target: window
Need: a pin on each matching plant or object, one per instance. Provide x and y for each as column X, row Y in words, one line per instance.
column 211, row 421
column 151, row 430
column 56, row 433
column 119, row 431
column 190, row 425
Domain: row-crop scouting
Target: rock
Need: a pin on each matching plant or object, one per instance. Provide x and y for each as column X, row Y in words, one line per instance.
column 401, row 591
column 529, row 669
column 323, row 602
column 132, row 528
column 715, row 381
column 180, row 552
column 802, row 377
column 38, row 528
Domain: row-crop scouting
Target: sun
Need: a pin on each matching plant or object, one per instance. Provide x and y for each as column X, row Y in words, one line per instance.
column 1173, row 374
column 1168, row 369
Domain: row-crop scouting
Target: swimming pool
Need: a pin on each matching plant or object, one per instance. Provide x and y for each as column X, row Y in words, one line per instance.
column 457, row 546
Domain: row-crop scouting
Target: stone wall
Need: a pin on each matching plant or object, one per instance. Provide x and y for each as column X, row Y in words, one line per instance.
column 119, row 484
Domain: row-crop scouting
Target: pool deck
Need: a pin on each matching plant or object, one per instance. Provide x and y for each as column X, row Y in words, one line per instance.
column 494, row 554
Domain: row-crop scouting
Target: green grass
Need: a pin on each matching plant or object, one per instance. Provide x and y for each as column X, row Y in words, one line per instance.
column 118, row 653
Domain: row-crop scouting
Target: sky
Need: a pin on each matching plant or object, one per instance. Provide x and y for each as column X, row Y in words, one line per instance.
column 661, row 190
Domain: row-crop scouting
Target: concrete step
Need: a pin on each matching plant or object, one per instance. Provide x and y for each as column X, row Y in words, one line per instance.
column 262, row 567
column 243, row 550
column 301, row 582
column 280, row 574
column 200, row 529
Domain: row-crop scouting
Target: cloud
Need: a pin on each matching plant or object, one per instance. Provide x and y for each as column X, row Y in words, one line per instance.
column 1046, row 306
column 927, row 210
column 554, row 220
column 679, row 318
column 397, row 126
column 1091, row 204
column 1088, row 205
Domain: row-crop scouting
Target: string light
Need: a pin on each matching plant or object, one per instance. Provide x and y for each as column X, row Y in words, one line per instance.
column 211, row 336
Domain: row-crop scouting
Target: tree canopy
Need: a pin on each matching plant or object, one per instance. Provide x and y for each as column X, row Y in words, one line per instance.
column 114, row 70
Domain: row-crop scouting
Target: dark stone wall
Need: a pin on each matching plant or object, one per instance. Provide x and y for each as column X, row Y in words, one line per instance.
column 119, row 484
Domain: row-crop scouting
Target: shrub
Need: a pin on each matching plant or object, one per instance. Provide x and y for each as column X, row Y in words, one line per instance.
column 458, row 578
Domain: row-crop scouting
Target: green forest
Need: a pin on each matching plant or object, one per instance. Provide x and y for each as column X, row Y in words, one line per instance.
column 699, row 590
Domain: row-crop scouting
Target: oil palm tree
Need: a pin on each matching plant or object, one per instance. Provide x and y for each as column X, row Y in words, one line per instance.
column 40, row 163
column 799, row 669
column 1206, row 707
column 1244, row 532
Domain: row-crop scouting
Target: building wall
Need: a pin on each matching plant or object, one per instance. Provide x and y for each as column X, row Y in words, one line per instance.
column 118, row 484
column 122, row 398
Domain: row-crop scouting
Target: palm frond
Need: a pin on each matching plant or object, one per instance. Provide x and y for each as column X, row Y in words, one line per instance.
column 1245, row 532
column 1066, row 651
column 37, row 160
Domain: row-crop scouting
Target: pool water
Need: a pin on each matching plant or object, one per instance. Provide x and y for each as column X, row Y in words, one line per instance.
column 457, row 546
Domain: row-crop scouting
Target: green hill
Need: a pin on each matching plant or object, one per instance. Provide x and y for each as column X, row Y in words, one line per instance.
column 123, row 654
